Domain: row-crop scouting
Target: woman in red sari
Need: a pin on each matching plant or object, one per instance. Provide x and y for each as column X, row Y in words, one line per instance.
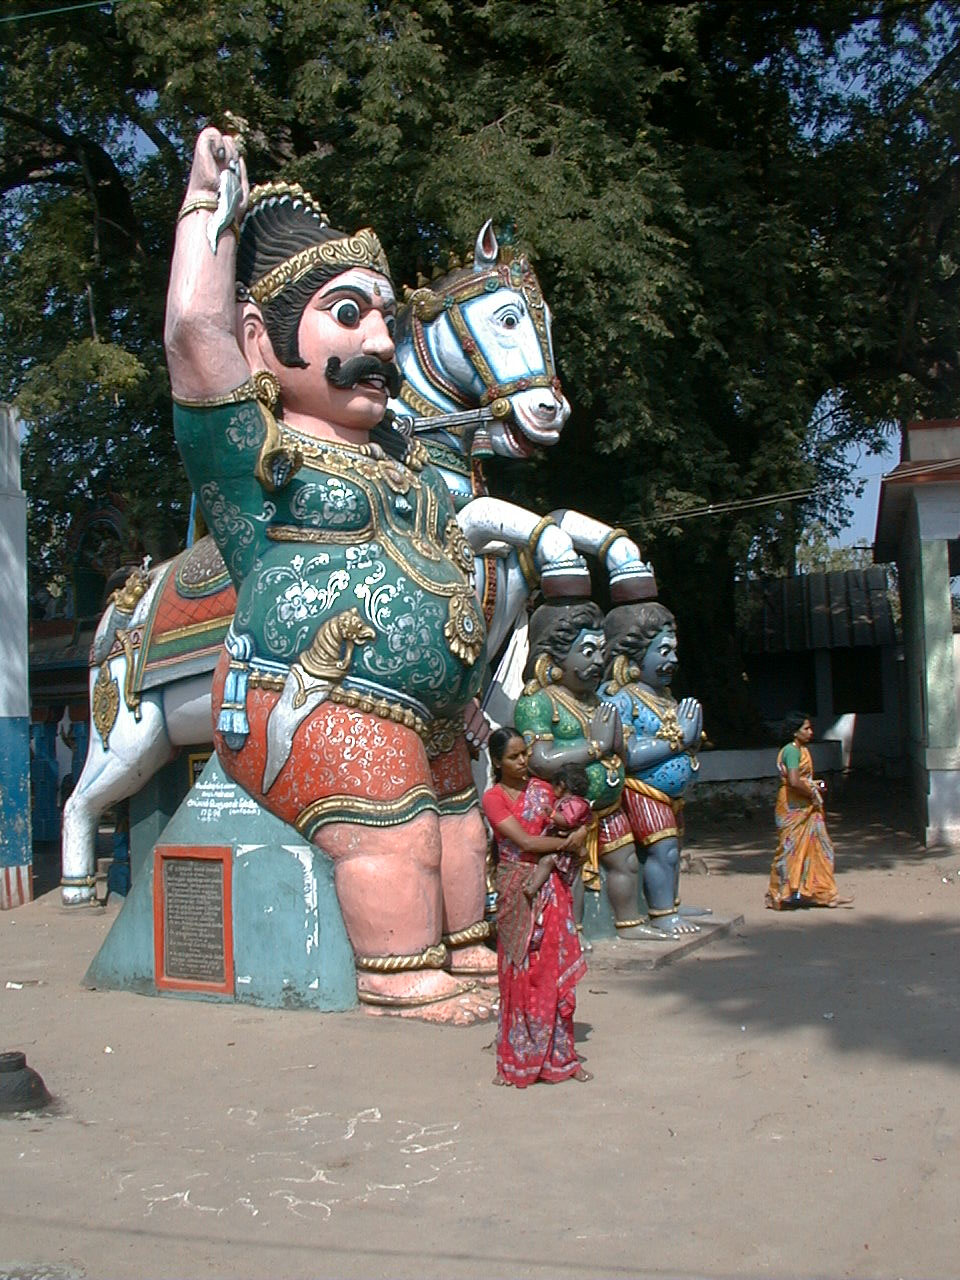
column 539, row 960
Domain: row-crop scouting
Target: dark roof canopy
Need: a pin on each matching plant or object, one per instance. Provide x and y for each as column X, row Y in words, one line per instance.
column 837, row 610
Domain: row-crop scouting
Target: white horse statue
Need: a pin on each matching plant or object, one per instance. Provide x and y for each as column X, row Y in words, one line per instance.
column 479, row 378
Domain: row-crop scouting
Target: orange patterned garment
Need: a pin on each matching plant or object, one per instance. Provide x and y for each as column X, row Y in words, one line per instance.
column 802, row 871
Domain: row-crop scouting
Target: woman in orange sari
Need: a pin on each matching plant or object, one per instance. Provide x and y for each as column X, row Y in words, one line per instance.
column 802, row 871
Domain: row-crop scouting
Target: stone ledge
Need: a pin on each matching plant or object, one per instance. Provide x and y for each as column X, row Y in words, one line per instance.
column 621, row 956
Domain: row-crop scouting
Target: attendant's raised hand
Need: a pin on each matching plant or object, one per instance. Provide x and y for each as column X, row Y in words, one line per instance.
column 604, row 727
column 690, row 717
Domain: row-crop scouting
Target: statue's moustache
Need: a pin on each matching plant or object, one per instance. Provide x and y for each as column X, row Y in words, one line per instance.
column 357, row 368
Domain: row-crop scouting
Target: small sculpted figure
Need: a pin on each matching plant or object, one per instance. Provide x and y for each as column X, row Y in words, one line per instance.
column 357, row 642
column 564, row 722
column 661, row 738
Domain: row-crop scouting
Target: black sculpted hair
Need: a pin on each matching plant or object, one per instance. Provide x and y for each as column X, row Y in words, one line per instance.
column 554, row 628
column 630, row 628
column 274, row 230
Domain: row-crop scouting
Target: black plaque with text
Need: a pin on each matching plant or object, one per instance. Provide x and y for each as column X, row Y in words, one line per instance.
column 194, row 944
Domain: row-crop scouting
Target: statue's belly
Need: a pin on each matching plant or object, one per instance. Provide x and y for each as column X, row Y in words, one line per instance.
column 429, row 635
column 672, row 776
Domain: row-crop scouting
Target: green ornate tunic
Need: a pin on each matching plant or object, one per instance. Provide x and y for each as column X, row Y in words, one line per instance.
column 553, row 714
column 349, row 529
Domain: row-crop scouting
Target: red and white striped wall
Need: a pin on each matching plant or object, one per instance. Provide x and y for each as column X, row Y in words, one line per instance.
column 16, row 886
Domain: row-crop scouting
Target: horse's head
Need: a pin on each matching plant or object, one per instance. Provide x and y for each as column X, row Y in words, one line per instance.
column 480, row 337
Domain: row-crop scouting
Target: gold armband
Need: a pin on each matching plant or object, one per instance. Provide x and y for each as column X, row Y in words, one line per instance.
column 609, row 540
column 198, row 202
column 209, row 203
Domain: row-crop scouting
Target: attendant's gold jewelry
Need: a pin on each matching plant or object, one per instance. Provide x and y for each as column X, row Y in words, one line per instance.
column 628, row 924
column 593, row 749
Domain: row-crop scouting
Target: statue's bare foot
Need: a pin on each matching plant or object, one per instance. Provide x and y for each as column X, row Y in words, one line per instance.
column 640, row 930
column 429, row 995
column 674, row 925
column 695, row 912
column 474, row 962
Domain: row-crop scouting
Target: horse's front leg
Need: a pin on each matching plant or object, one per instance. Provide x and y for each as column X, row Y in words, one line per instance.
column 544, row 550
column 631, row 578
column 136, row 750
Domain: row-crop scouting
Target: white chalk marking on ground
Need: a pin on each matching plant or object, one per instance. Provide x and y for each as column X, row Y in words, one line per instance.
column 291, row 1175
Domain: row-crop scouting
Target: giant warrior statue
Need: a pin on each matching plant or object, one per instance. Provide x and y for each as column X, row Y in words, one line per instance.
column 357, row 641
column 364, row 579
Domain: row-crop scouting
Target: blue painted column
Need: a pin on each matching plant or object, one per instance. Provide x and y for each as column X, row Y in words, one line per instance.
column 16, row 854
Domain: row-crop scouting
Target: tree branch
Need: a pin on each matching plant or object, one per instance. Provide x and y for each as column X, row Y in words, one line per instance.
column 105, row 181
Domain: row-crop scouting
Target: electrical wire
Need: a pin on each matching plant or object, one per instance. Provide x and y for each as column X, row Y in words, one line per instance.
column 723, row 508
column 65, row 8
column 904, row 472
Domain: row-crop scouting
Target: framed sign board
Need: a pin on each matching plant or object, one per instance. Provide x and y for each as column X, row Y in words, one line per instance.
column 192, row 918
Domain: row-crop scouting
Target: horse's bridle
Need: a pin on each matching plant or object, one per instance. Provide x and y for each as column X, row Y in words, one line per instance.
column 426, row 305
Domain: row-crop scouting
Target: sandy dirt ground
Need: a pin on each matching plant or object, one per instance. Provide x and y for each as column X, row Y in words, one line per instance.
column 782, row 1102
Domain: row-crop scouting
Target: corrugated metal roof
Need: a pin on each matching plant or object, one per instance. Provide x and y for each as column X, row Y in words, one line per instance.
column 844, row 609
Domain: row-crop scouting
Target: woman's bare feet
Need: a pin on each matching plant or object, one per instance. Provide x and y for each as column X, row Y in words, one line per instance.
column 840, row 902
column 582, row 1075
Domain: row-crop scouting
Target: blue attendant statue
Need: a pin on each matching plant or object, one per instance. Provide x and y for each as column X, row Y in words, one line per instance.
column 661, row 738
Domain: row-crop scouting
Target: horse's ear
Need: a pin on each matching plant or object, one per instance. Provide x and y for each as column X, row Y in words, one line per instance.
column 486, row 250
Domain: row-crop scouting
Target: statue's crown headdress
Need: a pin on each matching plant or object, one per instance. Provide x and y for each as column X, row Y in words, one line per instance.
column 286, row 236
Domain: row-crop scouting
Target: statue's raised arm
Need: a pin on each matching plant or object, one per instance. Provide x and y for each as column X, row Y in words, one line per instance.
column 200, row 330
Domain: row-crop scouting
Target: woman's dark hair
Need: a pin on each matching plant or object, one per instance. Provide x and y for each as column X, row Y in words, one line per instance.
column 574, row 777
column 554, row 628
column 793, row 722
column 497, row 744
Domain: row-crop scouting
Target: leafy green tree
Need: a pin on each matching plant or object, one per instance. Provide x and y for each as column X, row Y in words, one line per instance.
column 744, row 218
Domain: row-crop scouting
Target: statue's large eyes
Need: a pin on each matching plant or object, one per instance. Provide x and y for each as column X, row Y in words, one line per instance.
column 391, row 323
column 346, row 312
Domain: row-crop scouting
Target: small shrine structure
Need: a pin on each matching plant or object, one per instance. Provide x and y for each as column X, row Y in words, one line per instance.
column 918, row 527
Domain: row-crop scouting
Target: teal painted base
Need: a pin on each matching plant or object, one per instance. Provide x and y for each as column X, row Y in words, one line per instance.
column 597, row 915
column 290, row 948
column 15, row 844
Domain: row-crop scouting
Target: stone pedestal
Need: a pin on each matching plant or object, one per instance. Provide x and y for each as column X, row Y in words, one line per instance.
column 230, row 904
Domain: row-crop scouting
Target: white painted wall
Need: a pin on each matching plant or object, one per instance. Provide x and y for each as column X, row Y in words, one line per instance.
column 14, row 694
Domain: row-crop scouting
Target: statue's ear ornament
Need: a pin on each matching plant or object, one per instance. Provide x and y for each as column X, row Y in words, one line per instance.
column 621, row 673
column 267, row 386
column 545, row 672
